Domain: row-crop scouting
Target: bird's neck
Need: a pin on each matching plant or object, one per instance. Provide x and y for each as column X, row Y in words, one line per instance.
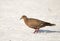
column 25, row 19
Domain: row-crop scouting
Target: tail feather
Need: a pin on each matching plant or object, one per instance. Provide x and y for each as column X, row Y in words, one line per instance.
column 49, row 24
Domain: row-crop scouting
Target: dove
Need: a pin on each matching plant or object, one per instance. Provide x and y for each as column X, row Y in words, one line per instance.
column 35, row 23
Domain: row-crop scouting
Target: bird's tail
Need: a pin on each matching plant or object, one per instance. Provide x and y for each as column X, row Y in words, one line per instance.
column 49, row 24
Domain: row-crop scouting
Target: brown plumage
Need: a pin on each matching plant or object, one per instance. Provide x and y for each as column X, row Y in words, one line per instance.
column 35, row 23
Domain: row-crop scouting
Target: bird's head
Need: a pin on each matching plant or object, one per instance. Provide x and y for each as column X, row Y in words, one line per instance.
column 23, row 17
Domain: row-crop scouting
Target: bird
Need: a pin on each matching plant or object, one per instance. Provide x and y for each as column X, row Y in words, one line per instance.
column 35, row 24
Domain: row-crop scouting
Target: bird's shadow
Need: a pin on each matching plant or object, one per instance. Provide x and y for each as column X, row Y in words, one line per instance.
column 48, row 31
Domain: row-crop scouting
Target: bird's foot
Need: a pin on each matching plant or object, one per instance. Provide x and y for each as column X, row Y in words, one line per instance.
column 36, row 31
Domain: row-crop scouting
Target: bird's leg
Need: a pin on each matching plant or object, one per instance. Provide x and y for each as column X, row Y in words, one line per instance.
column 36, row 30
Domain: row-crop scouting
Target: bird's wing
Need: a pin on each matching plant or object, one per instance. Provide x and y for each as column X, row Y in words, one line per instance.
column 32, row 19
column 34, row 22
